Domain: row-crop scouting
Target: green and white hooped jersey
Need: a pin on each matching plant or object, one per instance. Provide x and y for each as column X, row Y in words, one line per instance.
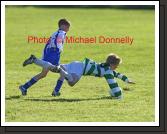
column 95, row 69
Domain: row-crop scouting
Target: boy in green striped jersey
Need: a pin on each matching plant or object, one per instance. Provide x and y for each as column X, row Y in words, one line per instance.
column 73, row 71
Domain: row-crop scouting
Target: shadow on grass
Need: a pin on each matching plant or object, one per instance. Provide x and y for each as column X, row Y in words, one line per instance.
column 13, row 97
column 127, row 89
column 69, row 100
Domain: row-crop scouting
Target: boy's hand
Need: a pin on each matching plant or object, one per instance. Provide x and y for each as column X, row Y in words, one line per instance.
column 131, row 82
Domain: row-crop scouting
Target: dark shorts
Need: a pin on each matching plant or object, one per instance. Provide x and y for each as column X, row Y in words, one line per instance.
column 51, row 55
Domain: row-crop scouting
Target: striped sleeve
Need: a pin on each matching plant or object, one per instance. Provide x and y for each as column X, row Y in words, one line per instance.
column 59, row 41
column 115, row 89
column 121, row 76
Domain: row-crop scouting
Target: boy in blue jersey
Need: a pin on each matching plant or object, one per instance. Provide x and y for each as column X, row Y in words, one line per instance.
column 51, row 54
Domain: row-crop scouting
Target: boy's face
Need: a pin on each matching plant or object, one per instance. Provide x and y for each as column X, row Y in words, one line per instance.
column 113, row 67
column 65, row 28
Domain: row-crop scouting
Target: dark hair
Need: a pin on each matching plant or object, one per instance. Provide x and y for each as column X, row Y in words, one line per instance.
column 63, row 22
column 113, row 59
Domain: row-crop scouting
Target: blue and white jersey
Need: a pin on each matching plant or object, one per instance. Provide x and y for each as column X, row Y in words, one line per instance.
column 57, row 40
column 54, row 47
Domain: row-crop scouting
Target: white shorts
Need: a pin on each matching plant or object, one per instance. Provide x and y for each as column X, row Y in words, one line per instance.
column 75, row 67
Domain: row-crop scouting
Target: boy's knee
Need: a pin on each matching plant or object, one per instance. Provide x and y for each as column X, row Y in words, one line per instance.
column 71, row 84
column 61, row 78
column 75, row 79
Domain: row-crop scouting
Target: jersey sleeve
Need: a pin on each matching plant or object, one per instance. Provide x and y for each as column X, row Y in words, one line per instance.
column 115, row 89
column 121, row 76
column 60, row 41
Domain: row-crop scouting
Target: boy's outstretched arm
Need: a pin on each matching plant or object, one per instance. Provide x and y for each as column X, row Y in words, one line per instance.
column 123, row 77
column 115, row 90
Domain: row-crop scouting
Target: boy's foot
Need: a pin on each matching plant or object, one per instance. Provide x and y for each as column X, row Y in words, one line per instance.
column 55, row 93
column 30, row 60
column 23, row 90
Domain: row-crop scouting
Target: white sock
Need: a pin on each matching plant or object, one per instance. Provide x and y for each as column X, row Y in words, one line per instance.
column 43, row 63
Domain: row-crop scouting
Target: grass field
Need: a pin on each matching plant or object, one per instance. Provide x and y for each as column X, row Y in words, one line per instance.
column 89, row 100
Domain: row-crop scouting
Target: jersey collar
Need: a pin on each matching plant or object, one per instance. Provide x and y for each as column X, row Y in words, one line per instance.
column 62, row 31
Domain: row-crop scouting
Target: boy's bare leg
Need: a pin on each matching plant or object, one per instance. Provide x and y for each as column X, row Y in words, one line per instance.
column 32, row 81
column 71, row 78
column 41, row 75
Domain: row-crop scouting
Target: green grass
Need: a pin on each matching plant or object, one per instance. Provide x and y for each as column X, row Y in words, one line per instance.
column 89, row 100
